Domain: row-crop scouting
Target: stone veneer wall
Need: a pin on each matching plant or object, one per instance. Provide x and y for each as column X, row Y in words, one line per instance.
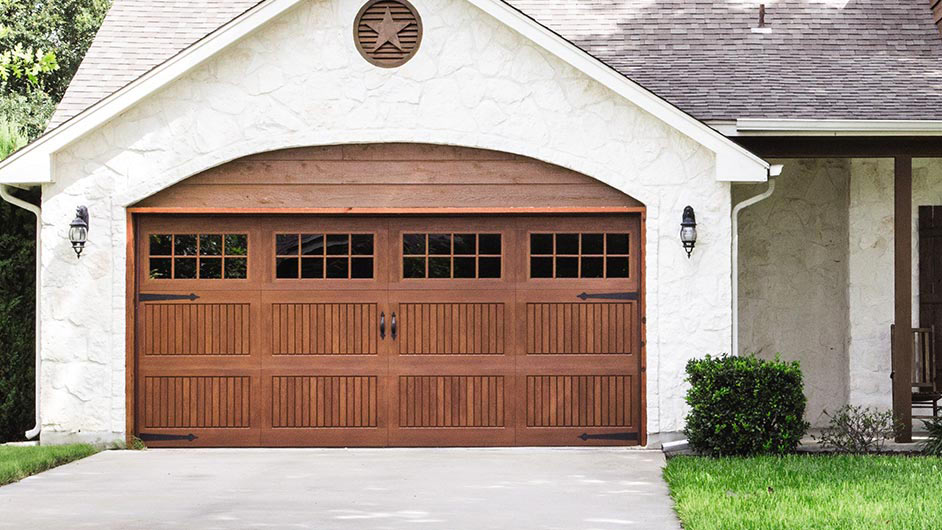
column 871, row 271
column 816, row 274
column 299, row 81
column 793, row 276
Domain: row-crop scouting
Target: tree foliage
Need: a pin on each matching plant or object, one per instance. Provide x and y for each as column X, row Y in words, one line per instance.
column 42, row 43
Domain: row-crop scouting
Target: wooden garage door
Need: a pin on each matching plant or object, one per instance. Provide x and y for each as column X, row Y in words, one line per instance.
column 382, row 331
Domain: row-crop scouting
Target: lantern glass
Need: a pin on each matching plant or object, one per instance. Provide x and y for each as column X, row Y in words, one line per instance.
column 688, row 234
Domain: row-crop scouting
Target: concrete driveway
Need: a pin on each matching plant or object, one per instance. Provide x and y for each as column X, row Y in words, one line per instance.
column 518, row 488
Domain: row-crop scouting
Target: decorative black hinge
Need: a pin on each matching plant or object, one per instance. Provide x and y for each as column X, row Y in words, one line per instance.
column 610, row 436
column 609, row 296
column 151, row 437
column 152, row 297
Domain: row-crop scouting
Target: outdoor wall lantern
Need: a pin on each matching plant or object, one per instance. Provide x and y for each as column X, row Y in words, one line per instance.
column 688, row 230
column 78, row 230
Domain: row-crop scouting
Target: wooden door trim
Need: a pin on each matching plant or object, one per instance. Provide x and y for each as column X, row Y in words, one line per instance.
column 387, row 211
column 130, row 344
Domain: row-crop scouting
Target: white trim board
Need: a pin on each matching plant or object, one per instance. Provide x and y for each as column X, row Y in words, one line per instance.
column 33, row 163
column 792, row 127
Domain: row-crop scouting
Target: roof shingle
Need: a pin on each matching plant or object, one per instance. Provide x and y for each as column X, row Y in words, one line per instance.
column 846, row 59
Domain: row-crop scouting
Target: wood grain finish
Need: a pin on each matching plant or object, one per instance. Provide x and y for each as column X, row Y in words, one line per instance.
column 579, row 328
column 324, row 329
column 511, row 360
column 451, row 329
column 451, row 401
column 337, row 401
column 196, row 329
column 196, row 402
column 579, row 401
column 930, row 278
column 387, row 176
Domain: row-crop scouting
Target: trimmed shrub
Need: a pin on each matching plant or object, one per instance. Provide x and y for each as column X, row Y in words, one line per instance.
column 744, row 406
column 858, row 430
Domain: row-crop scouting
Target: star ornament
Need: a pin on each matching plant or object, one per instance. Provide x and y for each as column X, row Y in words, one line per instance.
column 388, row 30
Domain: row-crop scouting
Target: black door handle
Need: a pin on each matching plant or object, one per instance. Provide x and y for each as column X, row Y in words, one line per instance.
column 393, row 329
column 382, row 325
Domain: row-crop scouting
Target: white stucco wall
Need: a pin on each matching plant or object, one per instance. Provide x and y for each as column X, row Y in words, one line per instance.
column 299, row 81
column 793, row 269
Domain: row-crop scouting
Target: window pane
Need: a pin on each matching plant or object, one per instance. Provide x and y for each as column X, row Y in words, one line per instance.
column 413, row 244
column 541, row 267
column 312, row 244
column 338, row 244
column 413, row 267
column 160, row 244
column 337, row 267
column 489, row 268
column 184, row 267
column 465, row 244
column 312, row 268
column 439, row 243
column 286, row 268
column 489, row 244
column 439, row 267
column 616, row 243
column 210, row 268
column 237, row 244
column 286, row 244
column 185, row 245
column 593, row 244
column 211, row 245
column 567, row 267
column 236, row 268
column 541, row 243
column 361, row 267
column 160, row 268
column 362, row 244
column 617, row 268
column 592, row 268
column 567, row 243
column 465, row 267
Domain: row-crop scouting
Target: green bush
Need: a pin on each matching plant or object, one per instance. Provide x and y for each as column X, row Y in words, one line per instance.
column 744, row 406
column 933, row 444
column 857, row 430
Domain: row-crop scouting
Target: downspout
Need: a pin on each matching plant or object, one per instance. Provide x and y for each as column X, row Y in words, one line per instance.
column 5, row 194
column 774, row 171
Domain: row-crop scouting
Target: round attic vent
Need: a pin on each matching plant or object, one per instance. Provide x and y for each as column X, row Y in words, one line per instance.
column 387, row 32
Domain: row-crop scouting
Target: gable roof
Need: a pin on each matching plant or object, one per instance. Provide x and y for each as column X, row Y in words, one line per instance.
column 823, row 59
column 33, row 164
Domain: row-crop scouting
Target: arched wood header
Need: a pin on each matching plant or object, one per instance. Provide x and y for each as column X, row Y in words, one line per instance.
column 388, row 176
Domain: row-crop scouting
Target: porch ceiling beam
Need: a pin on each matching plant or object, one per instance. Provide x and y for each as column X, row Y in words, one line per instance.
column 903, row 294
column 841, row 147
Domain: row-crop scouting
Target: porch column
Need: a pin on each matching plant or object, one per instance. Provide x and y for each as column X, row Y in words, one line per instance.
column 902, row 273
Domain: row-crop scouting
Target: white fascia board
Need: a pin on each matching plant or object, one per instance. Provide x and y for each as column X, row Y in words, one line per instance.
column 33, row 163
column 733, row 162
column 772, row 127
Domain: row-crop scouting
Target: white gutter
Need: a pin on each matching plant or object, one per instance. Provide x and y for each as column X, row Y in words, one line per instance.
column 773, row 127
column 774, row 171
column 5, row 194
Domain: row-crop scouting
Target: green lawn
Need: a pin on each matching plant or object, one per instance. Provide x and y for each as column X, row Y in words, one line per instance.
column 826, row 491
column 20, row 462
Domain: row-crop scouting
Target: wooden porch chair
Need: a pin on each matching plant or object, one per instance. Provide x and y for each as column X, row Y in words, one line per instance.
column 927, row 386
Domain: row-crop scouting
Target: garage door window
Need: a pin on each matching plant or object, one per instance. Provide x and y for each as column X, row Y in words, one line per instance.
column 198, row 256
column 320, row 256
column 579, row 255
column 451, row 256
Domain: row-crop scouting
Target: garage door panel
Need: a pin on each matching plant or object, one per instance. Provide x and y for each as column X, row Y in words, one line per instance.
column 446, row 410
column 324, row 410
column 208, row 407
